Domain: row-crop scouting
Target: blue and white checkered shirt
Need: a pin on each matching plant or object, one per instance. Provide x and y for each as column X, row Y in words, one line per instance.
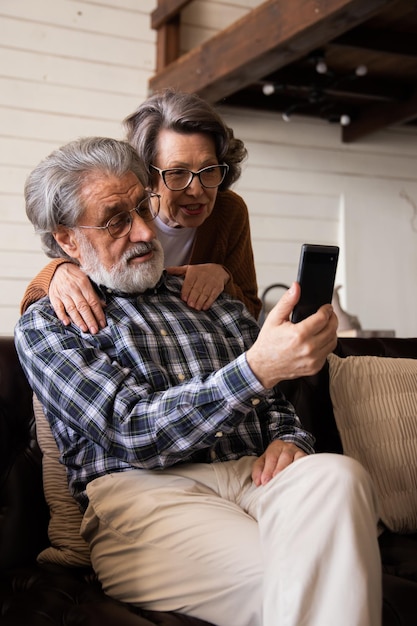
column 161, row 384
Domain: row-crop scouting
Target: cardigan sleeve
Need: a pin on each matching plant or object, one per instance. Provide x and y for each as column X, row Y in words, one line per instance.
column 39, row 286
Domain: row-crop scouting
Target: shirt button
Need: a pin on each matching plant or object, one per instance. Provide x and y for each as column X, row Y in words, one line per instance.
column 163, row 332
column 212, row 455
column 219, row 434
column 181, row 376
column 255, row 401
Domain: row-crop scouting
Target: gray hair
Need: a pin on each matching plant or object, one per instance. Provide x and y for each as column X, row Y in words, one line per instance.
column 53, row 189
column 184, row 113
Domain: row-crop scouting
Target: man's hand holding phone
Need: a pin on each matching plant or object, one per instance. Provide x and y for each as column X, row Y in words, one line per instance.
column 285, row 350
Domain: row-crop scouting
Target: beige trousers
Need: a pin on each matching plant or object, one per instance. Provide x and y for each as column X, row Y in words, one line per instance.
column 204, row 541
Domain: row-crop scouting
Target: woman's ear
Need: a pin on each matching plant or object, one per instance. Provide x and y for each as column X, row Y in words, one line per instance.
column 66, row 239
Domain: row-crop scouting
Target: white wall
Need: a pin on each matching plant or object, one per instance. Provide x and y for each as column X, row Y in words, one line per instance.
column 72, row 67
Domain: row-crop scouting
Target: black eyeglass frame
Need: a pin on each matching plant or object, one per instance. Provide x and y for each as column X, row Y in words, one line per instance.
column 223, row 167
column 138, row 208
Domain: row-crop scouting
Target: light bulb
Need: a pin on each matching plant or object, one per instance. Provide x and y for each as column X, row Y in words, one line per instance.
column 321, row 66
column 361, row 70
column 268, row 89
column 344, row 120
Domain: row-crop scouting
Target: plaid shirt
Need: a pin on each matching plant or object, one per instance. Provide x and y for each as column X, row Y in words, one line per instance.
column 161, row 384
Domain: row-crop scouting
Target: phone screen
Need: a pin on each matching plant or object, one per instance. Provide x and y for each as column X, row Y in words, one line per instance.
column 316, row 275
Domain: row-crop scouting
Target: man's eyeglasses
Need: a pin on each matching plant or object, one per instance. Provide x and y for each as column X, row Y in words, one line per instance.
column 177, row 178
column 120, row 224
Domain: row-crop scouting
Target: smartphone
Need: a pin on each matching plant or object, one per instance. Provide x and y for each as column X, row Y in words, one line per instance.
column 316, row 275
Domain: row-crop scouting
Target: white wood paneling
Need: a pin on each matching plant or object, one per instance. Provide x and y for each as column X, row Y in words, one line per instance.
column 45, row 127
column 100, row 76
column 67, row 100
column 81, row 17
column 147, row 6
column 97, row 46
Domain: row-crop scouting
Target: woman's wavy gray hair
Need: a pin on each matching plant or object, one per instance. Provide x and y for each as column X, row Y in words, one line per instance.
column 53, row 188
column 184, row 113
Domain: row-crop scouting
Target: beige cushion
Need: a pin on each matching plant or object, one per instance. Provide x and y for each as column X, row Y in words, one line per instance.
column 67, row 546
column 375, row 406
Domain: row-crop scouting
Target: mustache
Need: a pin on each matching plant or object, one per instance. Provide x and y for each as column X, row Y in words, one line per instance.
column 140, row 249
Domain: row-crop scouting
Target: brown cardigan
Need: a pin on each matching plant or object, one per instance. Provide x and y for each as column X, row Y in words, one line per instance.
column 224, row 238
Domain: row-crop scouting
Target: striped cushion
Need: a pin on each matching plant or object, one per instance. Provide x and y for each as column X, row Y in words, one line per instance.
column 375, row 406
column 67, row 546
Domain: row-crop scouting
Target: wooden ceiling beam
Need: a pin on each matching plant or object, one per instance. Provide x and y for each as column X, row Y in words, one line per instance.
column 166, row 19
column 166, row 11
column 272, row 35
column 168, row 43
column 380, row 116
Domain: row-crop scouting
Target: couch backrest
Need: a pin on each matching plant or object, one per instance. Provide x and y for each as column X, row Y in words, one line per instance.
column 23, row 512
column 310, row 395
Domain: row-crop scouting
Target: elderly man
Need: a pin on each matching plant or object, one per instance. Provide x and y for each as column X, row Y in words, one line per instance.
column 199, row 487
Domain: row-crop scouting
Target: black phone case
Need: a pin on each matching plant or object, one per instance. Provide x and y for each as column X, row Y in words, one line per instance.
column 316, row 275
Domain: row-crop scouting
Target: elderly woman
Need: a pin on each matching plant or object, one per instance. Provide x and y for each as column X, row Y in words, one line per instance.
column 192, row 159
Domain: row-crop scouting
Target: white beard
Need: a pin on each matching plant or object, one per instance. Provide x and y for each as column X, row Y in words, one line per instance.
column 121, row 276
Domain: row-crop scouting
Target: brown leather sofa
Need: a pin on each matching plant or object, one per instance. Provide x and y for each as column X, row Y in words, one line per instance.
column 34, row 595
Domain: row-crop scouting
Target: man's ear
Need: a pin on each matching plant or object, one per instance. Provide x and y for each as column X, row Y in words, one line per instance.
column 66, row 239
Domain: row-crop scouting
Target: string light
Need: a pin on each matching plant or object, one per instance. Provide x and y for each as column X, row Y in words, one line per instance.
column 321, row 66
column 317, row 93
column 268, row 89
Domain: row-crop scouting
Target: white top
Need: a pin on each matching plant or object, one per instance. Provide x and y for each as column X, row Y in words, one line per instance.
column 176, row 242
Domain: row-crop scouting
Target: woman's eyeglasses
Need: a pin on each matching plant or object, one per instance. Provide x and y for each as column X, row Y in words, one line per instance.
column 177, row 178
column 120, row 224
